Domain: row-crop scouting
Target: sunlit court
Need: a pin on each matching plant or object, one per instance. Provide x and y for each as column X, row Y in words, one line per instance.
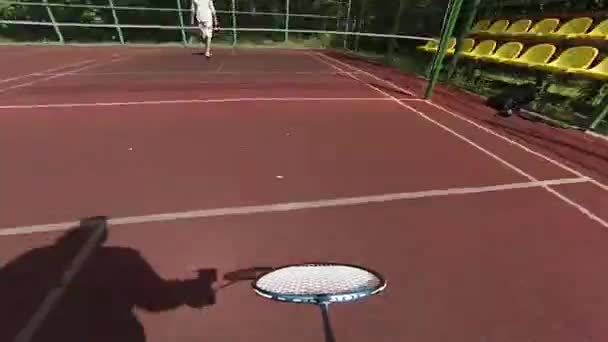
column 149, row 193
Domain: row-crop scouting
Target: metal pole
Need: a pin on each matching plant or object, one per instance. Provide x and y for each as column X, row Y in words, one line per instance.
column 444, row 24
column 443, row 47
column 601, row 117
column 443, row 34
column 234, row 35
column 57, row 29
column 602, row 112
column 471, row 13
column 181, row 21
column 191, row 20
column 118, row 29
column 286, row 21
column 347, row 25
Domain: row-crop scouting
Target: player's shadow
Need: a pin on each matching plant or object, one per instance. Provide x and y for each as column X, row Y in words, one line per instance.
column 78, row 289
column 243, row 275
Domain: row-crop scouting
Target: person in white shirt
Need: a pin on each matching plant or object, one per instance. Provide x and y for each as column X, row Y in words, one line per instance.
column 204, row 10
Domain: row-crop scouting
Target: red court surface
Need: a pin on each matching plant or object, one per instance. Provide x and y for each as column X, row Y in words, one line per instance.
column 486, row 229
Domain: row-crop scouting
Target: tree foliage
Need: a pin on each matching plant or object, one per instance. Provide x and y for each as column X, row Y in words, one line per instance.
column 251, row 14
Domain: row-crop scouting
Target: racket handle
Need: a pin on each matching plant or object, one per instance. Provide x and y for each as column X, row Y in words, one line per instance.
column 329, row 334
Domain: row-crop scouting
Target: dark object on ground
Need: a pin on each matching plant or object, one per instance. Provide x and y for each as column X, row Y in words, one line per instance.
column 512, row 99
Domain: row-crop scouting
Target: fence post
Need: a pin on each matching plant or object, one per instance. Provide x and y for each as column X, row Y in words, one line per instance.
column 55, row 26
column 181, row 21
column 602, row 112
column 116, row 22
column 234, row 30
column 347, row 26
column 601, row 117
column 454, row 11
column 286, row 21
column 464, row 32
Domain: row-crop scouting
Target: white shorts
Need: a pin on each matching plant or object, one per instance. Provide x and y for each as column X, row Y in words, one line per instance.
column 206, row 28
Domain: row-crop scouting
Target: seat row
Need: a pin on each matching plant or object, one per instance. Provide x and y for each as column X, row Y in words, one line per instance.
column 575, row 60
column 576, row 28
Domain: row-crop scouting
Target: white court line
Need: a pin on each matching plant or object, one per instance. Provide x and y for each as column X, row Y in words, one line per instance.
column 352, row 74
column 567, row 200
column 46, row 72
column 412, row 99
column 449, row 130
column 70, row 72
column 521, row 146
column 293, row 206
column 225, row 100
column 481, row 127
column 52, row 298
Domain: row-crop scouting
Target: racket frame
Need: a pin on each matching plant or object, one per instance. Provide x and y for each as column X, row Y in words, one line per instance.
column 319, row 299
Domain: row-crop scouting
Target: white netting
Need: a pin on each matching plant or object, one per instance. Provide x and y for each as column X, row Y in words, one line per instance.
column 311, row 280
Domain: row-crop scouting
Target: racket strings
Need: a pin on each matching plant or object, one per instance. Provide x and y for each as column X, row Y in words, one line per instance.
column 319, row 280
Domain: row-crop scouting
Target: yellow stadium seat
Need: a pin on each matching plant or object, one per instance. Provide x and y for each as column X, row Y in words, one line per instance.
column 537, row 54
column 520, row 26
column 497, row 27
column 467, row 46
column 542, row 27
column 578, row 57
column 433, row 45
column 481, row 25
column 600, row 31
column 451, row 44
column 572, row 27
column 598, row 72
column 506, row 51
column 429, row 46
column 484, row 48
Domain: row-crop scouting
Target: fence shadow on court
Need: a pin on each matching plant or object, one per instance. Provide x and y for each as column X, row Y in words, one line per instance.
column 98, row 302
column 353, row 58
column 580, row 153
column 391, row 90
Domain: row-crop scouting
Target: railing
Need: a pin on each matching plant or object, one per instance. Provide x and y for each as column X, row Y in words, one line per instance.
column 179, row 11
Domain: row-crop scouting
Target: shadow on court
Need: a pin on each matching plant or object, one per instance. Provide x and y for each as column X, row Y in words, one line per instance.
column 98, row 302
column 580, row 153
column 391, row 90
column 243, row 275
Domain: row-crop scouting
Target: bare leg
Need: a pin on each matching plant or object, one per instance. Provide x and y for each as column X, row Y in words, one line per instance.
column 201, row 28
column 208, row 46
column 206, row 37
